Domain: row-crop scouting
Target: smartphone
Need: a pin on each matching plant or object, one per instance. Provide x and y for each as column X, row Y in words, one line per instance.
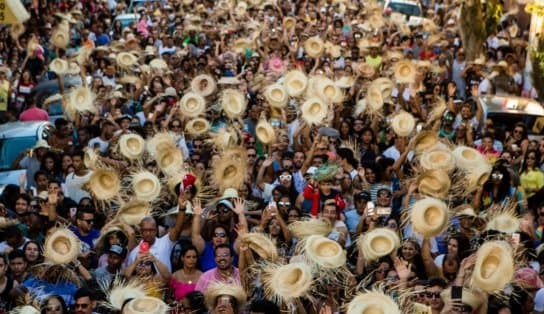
column 383, row 211
column 370, row 209
column 515, row 239
column 457, row 292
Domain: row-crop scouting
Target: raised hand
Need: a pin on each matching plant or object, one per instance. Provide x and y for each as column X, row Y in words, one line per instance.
column 239, row 206
column 197, row 207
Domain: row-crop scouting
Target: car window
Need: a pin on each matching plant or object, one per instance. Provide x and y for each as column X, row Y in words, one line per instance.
column 405, row 8
column 55, row 109
column 10, row 148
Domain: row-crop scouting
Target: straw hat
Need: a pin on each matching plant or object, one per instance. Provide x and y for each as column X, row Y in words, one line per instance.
column 218, row 289
column 133, row 212
column 373, row 302
column 240, row 45
column 122, row 290
column 104, row 183
column 494, row 267
column 81, row 99
column 429, row 216
column 146, row 305
column 435, row 183
column 302, row 229
column 261, row 244
column 60, row 38
column 424, row 140
column 295, row 82
column 405, row 71
column 6, row 222
column 276, row 95
column 146, row 186
column 169, row 160
column 192, row 105
column 25, row 309
column 365, row 70
column 233, row 102
column 203, row 85
column 228, row 80
column 385, row 85
column 505, row 221
column 314, row 47
column 58, row 66
column 125, row 60
column 324, row 252
column 439, row 158
column 90, row 158
column 283, row 283
column 467, row 158
column 328, row 91
column 374, row 99
column 378, row 242
column 469, row 297
column 158, row 64
column 73, row 68
column 478, row 175
column 265, row 132
column 131, row 146
column 16, row 30
column 403, row 123
column 160, row 141
column 197, row 126
column 61, row 246
column 345, row 81
column 314, row 111
column 230, row 169
column 289, row 22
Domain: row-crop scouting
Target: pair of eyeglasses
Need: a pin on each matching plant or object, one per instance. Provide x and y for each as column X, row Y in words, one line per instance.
column 284, row 204
column 285, row 177
column 251, row 155
column 219, row 234
column 518, row 131
column 83, row 306
column 431, row 295
column 497, row 176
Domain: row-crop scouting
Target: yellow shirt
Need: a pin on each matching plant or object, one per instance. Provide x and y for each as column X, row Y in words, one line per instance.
column 4, row 95
column 374, row 62
column 533, row 179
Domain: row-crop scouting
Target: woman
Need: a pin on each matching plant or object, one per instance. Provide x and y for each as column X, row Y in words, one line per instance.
column 65, row 163
column 369, row 149
column 51, row 166
column 273, row 224
column 410, row 252
column 498, row 188
column 184, row 280
column 192, row 303
column 33, row 254
column 54, row 304
column 24, row 87
column 531, row 177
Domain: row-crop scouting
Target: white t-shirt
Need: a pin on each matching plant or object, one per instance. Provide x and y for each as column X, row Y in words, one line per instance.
column 102, row 145
column 161, row 249
column 4, row 245
column 74, row 186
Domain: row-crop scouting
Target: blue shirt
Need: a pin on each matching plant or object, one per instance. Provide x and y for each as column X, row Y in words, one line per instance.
column 88, row 239
column 42, row 289
column 207, row 260
column 352, row 220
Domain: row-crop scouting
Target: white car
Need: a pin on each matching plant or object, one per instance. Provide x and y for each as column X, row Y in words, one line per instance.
column 411, row 9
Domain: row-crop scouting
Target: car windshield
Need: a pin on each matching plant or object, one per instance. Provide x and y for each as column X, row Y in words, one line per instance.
column 405, row 8
column 10, row 148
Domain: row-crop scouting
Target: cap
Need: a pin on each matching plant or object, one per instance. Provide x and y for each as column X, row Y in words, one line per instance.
column 226, row 203
column 119, row 250
column 363, row 195
column 311, row 170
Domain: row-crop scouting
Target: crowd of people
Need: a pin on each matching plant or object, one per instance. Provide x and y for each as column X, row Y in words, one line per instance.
column 267, row 156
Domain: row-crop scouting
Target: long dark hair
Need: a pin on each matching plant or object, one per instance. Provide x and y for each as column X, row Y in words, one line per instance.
column 504, row 185
column 59, row 298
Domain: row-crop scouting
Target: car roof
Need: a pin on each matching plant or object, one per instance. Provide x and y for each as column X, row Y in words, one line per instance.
column 410, row 2
column 512, row 105
column 21, row 129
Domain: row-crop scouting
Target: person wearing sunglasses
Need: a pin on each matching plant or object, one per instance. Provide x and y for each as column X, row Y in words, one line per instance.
column 84, row 301
column 284, row 178
column 86, row 232
column 445, row 128
column 432, row 294
column 54, row 304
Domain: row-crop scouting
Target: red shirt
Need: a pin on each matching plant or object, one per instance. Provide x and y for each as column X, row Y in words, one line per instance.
column 34, row 114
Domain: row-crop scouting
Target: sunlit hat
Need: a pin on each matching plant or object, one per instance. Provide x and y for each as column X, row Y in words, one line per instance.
column 438, row 158
column 335, row 51
column 328, row 91
column 304, row 228
column 466, row 157
column 470, row 297
column 385, row 85
column 218, row 289
column 435, row 183
column 169, row 160
column 25, row 309
column 295, row 82
column 192, row 105
column 240, row 45
column 494, row 267
column 229, row 171
column 197, row 126
column 505, row 221
column 314, row 47
column 146, row 186
column 265, row 132
column 228, row 80
column 324, row 252
column 478, row 175
column 289, row 22
column 58, row 66
column 276, row 95
column 90, row 158
column 73, row 68
column 233, row 102
column 365, row 70
column 146, row 305
column 374, row 99
column 203, row 85
column 80, row 99
column 122, row 290
column 373, row 302
column 133, row 212
column 60, row 38
column 283, row 283
column 424, row 140
column 405, row 71
column 16, row 30
column 403, row 123
column 125, row 60
column 158, row 64
column 131, row 146
column 160, row 141
column 104, row 183
column 429, row 216
column 61, row 246
column 346, row 81
column 314, row 111
column 261, row 244
column 378, row 242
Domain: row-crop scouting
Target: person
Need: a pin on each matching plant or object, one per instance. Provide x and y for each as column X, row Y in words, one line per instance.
column 14, row 240
column 354, row 216
column 32, row 112
column 86, row 233
column 4, row 92
column 77, row 179
column 54, row 304
column 116, row 256
column 223, row 272
column 31, row 160
column 32, row 252
column 184, row 280
column 18, row 266
column 84, row 301
column 7, row 283
column 432, row 294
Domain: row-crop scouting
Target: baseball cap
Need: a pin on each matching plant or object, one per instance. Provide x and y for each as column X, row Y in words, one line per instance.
column 226, row 203
column 363, row 195
column 119, row 250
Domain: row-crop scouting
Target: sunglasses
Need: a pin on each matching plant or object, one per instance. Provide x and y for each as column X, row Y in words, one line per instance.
column 53, row 308
column 284, row 204
column 219, row 234
column 431, row 295
column 251, row 155
column 83, row 306
column 518, row 131
column 285, row 177
column 497, row 176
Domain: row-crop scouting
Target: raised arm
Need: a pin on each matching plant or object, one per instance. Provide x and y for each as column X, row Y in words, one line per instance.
column 196, row 237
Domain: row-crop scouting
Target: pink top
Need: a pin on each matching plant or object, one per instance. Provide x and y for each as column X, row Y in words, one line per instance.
column 34, row 114
column 181, row 288
column 213, row 275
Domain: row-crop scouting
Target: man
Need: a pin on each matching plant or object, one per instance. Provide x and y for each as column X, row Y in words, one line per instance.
column 76, row 180
column 102, row 142
column 354, row 215
column 116, row 256
column 347, row 161
column 224, row 272
column 18, row 265
column 14, row 240
column 432, row 294
column 162, row 247
column 30, row 160
column 339, row 232
column 466, row 116
column 64, row 204
column 6, row 285
column 32, row 112
column 84, row 228
column 395, row 151
column 84, row 302
column 62, row 138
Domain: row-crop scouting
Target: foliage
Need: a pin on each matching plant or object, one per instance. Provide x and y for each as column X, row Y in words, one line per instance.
column 537, row 62
column 493, row 13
